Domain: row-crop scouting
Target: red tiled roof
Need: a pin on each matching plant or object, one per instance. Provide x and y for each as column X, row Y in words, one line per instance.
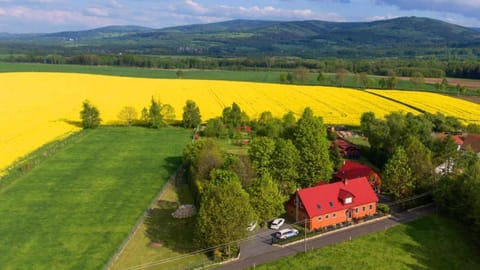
column 472, row 141
column 328, row 198
column 457, row 139
column 351, row 169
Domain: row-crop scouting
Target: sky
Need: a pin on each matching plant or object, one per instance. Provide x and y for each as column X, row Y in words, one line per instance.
column 45, row 16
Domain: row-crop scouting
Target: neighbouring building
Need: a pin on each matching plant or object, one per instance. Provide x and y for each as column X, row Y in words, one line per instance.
column 330, row 204
column 472, row 142
column 456, row 138
column 346, row 149
column 351, row 169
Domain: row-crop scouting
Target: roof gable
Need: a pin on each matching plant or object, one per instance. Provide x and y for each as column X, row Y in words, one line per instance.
column 329, row 198
column 351, row 169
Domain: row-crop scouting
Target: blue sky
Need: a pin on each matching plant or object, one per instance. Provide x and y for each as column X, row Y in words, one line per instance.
column 29, row 16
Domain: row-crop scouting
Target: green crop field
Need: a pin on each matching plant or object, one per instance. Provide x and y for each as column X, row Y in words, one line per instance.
column 432, row 242
column 74, row 209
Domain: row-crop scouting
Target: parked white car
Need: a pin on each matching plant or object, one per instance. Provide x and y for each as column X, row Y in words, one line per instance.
column 286, row 233
column 277, row 223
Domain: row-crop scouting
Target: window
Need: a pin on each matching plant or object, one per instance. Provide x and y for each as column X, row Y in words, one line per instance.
column 363, row 208
column 319, row 219
column 331, row 204
column 348, row 200
column 356, row 210
column 326, row 216
column 334, row 215
column 370, row 207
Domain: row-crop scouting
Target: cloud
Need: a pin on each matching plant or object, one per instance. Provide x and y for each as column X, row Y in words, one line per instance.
column 53, row 17
column 382, row 17
column 225, row 12
column 468, row 8
column 97, row 11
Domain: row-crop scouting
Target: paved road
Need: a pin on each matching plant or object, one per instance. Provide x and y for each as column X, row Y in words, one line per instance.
column 254, row 254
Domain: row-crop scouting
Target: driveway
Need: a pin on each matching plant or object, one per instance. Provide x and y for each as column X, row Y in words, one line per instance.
column 258, row 249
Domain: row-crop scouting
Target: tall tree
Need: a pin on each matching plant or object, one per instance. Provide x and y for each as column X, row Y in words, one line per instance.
column 310, row 138
column 155, row 119
column 336, row 157
column 397, row 177
column 90, row 115
column 284, row 166
column 265, row 198
column 260, row 153
column 392, row 82
column 224, row 213
column 168, row 113
column 420, row 163
column 191, row 115
column 232, row 116
column 128, row 115
column 289, row 123
column 417, row 79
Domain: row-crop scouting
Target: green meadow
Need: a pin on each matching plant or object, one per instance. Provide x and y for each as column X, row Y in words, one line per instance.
column 433, row 242
column 74, row 209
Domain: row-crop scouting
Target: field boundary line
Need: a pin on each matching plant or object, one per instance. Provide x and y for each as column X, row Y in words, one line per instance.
column 140, row 221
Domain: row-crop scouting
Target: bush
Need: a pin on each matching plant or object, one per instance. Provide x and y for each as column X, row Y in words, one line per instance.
column 383, row 208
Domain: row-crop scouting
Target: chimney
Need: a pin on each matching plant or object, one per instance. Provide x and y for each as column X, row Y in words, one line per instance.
column 345, row 181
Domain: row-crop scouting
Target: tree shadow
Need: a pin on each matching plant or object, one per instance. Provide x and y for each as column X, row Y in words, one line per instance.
column 72, row 122
column 440, row 243
column 163, row 229
column 172, row 163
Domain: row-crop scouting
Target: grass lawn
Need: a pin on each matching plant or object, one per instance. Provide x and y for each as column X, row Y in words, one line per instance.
column 433, row 242
column 172, row 238
column 75, row 208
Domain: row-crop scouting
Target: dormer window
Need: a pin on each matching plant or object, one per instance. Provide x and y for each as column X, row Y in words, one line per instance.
column 345, row 196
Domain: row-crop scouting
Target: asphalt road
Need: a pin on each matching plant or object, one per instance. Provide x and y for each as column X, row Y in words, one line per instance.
column 259, row 250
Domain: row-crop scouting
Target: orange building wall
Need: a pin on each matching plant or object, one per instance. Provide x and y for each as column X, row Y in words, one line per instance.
column 340, row 217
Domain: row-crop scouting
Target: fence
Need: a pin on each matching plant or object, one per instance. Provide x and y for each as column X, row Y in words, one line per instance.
column 140, row 221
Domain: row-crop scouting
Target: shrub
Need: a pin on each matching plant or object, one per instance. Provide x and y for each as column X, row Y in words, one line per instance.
column 383, row 208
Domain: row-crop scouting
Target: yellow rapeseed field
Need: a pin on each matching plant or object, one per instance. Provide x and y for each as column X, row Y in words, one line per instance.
column 36, row 107
column 468, row 112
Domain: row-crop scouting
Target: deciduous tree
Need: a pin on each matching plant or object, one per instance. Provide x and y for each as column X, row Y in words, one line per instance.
column 310, row 139
column 397, row 177
column 128, row 115
column 90, row 115
column 265, row 198
column 284, row 166
column 155, row 119
column 191, row 115
column 224, row 213
column 260, row 153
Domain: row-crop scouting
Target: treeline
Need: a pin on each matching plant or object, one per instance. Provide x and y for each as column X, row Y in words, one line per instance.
column 403, row 146
column 400, row 67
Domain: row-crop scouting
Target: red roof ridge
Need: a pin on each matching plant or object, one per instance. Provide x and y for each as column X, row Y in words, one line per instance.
column 323, row 199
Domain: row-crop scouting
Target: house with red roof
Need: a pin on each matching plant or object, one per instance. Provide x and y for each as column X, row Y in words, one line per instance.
column 346, row 149
column 456, row 138
column 351, row 169
column 331, row 204
column 472, row 142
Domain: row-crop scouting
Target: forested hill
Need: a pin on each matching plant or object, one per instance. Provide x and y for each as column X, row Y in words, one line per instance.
column 400, row 37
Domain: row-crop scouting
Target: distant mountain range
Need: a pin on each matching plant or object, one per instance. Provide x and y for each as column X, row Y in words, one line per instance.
column 400, row 37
